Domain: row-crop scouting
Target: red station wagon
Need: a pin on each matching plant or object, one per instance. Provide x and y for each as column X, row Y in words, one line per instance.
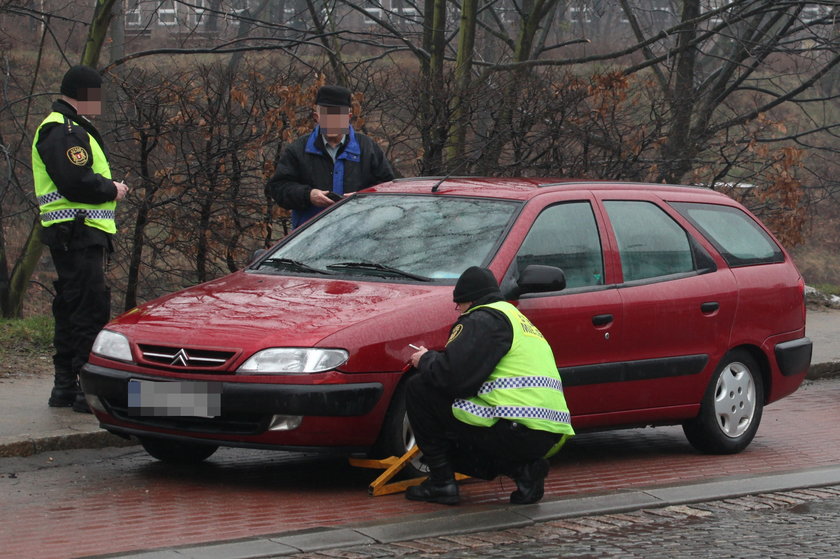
column 663, row 305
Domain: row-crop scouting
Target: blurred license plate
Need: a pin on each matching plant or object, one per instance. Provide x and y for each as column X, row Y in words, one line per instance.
column 174, row 399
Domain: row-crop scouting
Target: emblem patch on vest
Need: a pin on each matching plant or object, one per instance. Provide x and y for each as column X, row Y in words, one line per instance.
column 78, row 156
column 455, row 333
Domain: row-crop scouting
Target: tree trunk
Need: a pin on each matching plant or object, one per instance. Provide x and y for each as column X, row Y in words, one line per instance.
column 433, row 103
column 463, row 71
column 535, row 11
column 678, row 152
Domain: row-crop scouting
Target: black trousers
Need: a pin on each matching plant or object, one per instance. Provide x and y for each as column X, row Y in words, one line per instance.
column 82, row 305
column 483, row 452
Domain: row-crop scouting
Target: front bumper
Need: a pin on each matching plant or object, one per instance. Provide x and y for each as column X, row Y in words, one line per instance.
column 246, row 408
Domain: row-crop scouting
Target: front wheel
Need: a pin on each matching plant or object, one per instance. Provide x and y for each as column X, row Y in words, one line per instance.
column 396, row 437
column 177, row 452
column 731, row 408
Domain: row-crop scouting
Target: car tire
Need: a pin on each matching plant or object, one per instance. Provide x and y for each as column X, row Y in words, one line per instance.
column 177, row 452
column 396, row 437
column 731, row 408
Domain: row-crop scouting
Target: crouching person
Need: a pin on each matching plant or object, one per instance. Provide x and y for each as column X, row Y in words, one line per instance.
column 491, row 403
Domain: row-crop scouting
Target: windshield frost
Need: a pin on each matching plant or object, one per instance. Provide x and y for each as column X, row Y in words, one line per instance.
column 431, row 236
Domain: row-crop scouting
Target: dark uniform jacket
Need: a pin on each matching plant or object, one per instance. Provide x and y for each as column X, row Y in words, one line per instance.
column 478, row 341
column 77, row 184
column 300, row 170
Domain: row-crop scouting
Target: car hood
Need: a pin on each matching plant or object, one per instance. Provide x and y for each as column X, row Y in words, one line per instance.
column 248, row 311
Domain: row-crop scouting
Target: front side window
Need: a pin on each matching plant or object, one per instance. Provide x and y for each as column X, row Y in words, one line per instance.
column 430, row 237
column 650, row 243
column 738, row 238
column 566, row 236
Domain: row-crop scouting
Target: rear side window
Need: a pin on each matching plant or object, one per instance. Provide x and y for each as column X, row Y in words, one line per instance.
column 650, row 243
column 739, row 239
column 566, row 236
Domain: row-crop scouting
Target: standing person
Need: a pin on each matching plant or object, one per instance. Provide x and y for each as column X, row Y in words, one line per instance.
column 491, row 402
column 317, row 170
column 77, row 200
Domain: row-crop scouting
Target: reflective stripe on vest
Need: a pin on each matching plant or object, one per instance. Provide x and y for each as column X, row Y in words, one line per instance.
column 54, row 207
column 524, row 387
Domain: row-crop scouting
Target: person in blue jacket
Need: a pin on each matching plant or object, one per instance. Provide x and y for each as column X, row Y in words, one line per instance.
column 318, row 169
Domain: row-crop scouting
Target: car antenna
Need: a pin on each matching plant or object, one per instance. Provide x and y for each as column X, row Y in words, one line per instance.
column 448, row 176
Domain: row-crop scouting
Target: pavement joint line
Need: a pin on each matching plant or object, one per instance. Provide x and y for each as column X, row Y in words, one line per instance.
column 490, row 517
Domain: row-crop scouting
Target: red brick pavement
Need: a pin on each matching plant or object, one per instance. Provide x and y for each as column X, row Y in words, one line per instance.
column 130, row 502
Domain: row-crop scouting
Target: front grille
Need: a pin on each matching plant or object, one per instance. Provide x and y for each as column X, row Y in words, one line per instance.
column 183, row 358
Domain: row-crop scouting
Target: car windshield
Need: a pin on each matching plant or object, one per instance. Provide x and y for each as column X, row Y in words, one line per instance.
column 416, row 237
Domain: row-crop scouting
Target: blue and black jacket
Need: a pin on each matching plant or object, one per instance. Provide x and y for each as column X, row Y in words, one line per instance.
column 305, row 164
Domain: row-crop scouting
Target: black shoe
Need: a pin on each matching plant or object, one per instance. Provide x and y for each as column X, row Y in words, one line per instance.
column 530, row 483
column 61, row 397
column 80, row 404
column 443, row 492
column 64, row 391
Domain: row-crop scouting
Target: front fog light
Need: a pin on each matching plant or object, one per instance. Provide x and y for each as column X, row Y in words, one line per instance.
column 285, row 422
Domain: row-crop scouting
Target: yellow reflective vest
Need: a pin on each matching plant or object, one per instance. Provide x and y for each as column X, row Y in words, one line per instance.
column 54, row 207
column 525, row 386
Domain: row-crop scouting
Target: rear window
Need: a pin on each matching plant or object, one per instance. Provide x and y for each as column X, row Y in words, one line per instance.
column 739, row 239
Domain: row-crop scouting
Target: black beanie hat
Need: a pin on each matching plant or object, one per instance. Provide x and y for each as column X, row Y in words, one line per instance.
column 333, row 96
column 474, row 284
column 78, row 80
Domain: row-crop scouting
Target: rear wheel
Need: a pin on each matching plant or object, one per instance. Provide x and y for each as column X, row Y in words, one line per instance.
column 177, row 452
column 731, row 408
column 397, row 437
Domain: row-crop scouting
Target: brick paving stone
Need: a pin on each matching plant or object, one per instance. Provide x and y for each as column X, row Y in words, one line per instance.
column 690, row 511
column 468, row 540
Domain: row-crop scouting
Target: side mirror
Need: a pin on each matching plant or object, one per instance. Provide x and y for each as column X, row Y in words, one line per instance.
column 541, row 279
column 257, row 255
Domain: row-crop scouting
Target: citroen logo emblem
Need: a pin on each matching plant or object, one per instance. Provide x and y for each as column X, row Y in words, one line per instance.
column 181, row 358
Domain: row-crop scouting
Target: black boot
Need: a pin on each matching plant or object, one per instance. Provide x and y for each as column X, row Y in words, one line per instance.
column 530, row 482
column 440, row 487
column 80, row 403
column 64, row 391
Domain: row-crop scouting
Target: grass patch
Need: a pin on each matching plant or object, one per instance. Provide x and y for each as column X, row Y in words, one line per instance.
column 828, row 288
column 31, row 335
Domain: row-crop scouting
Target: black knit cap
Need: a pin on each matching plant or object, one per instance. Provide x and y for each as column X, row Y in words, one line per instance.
column 474, row 284
column 333, row 96
column 78, row 80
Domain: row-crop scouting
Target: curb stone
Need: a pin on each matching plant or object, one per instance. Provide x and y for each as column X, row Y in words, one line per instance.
column 33, row 444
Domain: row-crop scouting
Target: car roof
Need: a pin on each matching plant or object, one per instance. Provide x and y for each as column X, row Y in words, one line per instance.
column 524, row 188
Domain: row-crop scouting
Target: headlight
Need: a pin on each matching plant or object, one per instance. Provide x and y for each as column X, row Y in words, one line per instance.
column 285, row 360
column 112, row 345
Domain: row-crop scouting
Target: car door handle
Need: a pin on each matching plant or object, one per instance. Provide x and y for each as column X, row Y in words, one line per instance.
column 709, row 307
column 602, row 319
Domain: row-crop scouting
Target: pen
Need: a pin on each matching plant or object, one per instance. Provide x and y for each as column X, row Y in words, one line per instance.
column 412, row 346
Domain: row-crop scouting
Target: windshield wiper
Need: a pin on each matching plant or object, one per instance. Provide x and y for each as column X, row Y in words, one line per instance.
column 378, row 267
column 294, row 264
